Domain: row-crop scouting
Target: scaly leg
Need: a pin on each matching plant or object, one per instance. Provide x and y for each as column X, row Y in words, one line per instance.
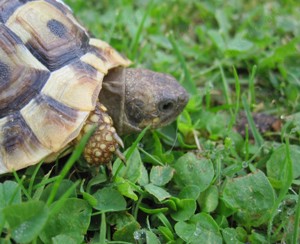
column 105, row 142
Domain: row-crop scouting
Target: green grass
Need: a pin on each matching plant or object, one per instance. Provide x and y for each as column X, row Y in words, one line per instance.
column 196, row 180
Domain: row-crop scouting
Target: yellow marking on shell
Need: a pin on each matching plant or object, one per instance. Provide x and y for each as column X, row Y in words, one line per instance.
column 98, row 138
column 95, row 62
column 57, row 130
column 16, row 27
column 114, row 58
column 108, row 137
column 78, row 89
column 102, row 146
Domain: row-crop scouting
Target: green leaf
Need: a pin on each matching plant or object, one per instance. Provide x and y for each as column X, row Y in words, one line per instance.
column 158, row 151
column 73, row 217
column 239, row 45
column 10, row 193
column 26, row 220
column 63, row 187
column 277, row 162
column 126, row 227
column 151, row 210
column 251, row 196
column 209, row 199
column 161, row 175
column 71, row 238
column 190, row 170
column 125, row 188
column 166, row 232
column 217, row 38
column 109, row 200
column 151, row 238
column 144, row 179
column 189, row 192
column 231, row 236
column 160, row 193
column 280, row 53
column 185, row 209
column 133, row 169
column 200, row 229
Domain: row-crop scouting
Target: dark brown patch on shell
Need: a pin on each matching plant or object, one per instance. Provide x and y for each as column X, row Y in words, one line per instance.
column 19, row 83
column 16, row 133
column 8, row 7
column 57, row 28
column 58, row 108
column 54, row 37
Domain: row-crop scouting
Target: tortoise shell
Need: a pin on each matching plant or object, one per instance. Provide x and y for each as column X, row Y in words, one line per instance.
column 51, row 73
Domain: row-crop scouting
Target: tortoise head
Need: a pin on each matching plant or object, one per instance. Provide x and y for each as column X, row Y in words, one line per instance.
column 136, row 98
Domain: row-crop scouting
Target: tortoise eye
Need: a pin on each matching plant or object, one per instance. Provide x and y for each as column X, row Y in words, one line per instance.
column 134, row 110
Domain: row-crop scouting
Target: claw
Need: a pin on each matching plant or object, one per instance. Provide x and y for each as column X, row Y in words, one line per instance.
column 120, row 155
column 118, row 140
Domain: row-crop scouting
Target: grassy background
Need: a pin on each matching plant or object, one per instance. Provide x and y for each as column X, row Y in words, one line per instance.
column 197, row 180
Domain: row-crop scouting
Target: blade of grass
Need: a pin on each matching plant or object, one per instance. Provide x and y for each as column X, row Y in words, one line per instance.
column 71, row 161
column 189, row 84
column 32, row 178
column 237, row 99
column 153, row 158
column 257, row 136
column 297, row 221
column 131, row 149
column 59, row 204
column 102, row 236
column 135, row 43
column 20, row 182
column 226, row 89
column 165, row 221
column 287, row 181
column 251, row 85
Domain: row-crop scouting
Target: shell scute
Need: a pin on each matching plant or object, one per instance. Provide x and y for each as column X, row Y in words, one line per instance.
column 21, row 75
column 19, row 145
column 76, row 85
column 53, row 123
column 53, row 38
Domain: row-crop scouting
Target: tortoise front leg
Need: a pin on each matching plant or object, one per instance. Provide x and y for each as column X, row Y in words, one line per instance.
column 105, row 142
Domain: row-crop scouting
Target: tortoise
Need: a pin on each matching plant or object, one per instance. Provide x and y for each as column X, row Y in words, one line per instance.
column 57, row 83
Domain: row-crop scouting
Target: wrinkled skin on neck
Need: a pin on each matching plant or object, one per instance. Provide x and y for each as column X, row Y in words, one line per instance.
column 136, row 98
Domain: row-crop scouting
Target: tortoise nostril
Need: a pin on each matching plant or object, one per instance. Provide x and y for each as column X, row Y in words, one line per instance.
column 166, row 106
